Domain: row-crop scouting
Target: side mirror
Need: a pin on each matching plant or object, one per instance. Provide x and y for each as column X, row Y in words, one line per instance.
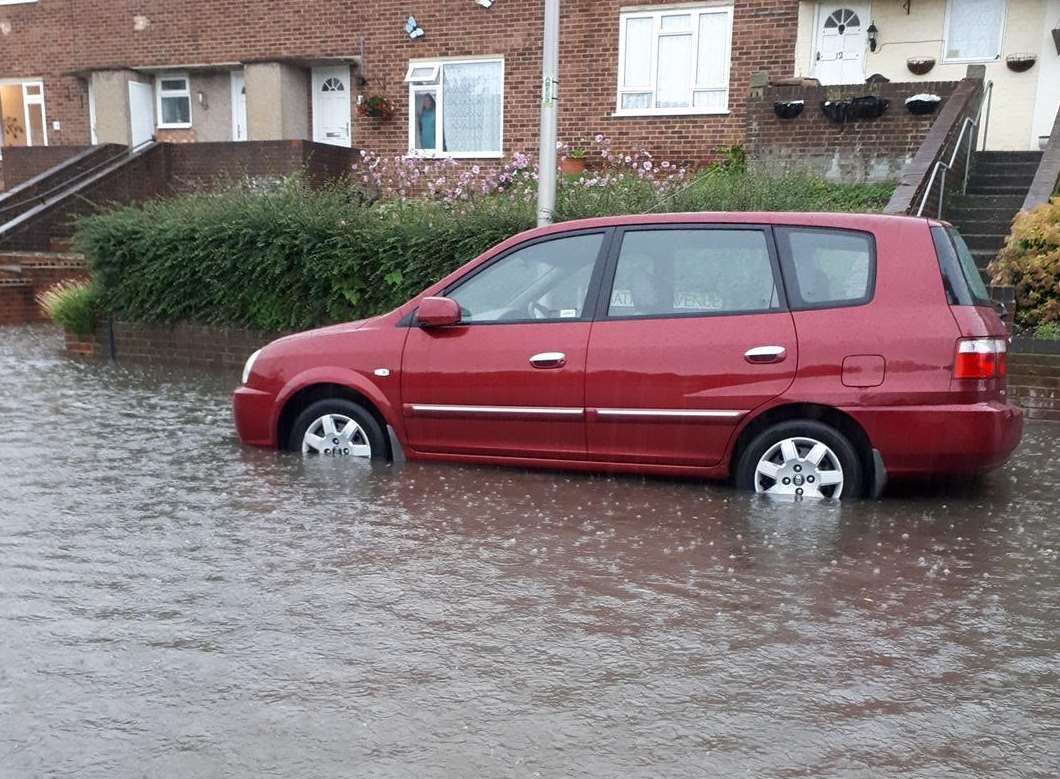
column 438, row 312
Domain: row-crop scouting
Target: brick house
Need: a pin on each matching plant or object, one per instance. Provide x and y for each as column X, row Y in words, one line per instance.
column 673, row 77
column 1018, row 41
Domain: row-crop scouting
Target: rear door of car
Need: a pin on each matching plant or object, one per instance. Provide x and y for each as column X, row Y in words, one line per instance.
column 692, row 333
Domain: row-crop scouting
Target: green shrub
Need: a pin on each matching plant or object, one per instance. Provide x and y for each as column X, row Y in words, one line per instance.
column 1030, row 262
column 291, row 257
column 72, row 304
column 1050, row 331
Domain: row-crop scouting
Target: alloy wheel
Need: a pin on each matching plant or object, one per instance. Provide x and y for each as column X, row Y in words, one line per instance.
column 336, row 435
column 800, row 467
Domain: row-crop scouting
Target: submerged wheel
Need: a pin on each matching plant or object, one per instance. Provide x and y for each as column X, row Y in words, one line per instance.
column 337, row 428
column 801, row 458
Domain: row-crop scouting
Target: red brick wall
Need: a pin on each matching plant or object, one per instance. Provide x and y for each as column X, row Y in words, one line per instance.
column 185, row 345
column 861, row 150
column 16, row 302
column 22, row 163
column 55, row 38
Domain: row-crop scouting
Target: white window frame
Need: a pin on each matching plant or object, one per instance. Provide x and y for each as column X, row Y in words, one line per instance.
column 160, row 93
column 959, row 60
column 434, row 85
column 656, row 13
column 18, row 2
column 27, row 101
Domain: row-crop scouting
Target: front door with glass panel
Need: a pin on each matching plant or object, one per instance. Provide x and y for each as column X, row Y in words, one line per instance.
column 239, row 106
column 509, row 379
column 841, row 40
column 22, row 113
column 331, row 105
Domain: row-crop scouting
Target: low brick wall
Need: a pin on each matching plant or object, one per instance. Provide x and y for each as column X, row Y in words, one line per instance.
column 21, row 163
column 16, row 302
column 184, row 345
column 1034, row 384
column 855, row 151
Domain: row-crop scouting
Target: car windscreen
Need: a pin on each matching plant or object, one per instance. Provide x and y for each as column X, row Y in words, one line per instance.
column 964, row 284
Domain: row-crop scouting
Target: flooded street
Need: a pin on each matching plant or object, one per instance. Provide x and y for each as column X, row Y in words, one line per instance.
column 172, row 604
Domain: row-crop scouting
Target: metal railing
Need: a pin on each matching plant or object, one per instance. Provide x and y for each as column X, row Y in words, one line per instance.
column 969, row 126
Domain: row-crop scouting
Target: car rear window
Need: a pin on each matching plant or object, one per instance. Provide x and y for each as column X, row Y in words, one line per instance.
column 960, row 276
column 826, row 268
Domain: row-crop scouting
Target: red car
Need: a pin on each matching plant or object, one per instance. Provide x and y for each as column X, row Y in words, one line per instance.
column 800, row 354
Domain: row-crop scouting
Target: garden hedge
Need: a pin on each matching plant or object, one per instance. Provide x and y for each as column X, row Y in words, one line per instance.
column 291, row 257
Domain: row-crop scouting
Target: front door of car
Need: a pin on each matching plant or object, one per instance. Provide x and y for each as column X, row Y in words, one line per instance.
column 693, row 335
column 509, row 379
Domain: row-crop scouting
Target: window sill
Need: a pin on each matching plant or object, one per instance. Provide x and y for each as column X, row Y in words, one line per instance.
column 187, row 126
column 668, row 112
column 456, row 155
column 972, row 61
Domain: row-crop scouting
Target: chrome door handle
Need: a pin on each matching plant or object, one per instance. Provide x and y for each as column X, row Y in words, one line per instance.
column 549, row 360
column 765, row 354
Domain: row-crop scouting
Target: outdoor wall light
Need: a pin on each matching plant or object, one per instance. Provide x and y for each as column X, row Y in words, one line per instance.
column 485, row 3
column 201, row 96
column 874, row 36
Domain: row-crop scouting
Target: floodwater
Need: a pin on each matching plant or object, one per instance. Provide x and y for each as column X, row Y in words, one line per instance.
column 172, row 604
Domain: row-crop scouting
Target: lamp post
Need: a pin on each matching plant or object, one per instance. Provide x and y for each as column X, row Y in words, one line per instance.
column 546, row 173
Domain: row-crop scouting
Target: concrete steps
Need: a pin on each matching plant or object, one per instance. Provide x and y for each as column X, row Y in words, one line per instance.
column 997, row 185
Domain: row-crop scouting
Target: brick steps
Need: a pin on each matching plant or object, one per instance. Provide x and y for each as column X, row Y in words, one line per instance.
column 24, row 275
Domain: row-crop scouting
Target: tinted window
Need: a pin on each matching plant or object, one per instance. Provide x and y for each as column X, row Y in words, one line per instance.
column 692, row 272
column 827, row 268
column 544, row 281
column 964, row 284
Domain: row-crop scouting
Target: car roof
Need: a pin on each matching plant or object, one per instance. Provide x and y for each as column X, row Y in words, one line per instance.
column 872, row 222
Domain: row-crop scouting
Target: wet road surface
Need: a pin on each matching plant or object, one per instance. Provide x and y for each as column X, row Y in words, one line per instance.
column 174, row 605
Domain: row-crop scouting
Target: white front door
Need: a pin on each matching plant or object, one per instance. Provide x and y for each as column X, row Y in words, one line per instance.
column 1047, row 100
column 141, row 112
column 839, row 55
column 239, row 106
column 331, row 105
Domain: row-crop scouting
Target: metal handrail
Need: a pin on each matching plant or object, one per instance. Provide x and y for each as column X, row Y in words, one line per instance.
column 968, row 122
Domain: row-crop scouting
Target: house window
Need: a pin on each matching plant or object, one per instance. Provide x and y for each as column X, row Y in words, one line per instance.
column 456, row 108
column 674, row 61
column 974, row 30
column 22, row 119
column 173, row 91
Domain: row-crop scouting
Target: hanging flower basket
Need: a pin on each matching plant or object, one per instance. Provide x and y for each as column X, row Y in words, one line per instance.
column 918, row 66
column 1020, row 63
column 788, row 109
column 376, row 107
column 919, row 105
column 854, row 108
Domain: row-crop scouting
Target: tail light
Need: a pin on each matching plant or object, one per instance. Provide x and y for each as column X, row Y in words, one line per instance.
column 980, row 358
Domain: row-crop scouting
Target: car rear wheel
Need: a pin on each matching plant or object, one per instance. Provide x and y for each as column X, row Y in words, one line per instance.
column 337, row 428
column 801, row 459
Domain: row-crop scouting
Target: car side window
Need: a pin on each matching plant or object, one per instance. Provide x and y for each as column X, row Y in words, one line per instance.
column 545, row 281
column 827, row 268
column 693, row 272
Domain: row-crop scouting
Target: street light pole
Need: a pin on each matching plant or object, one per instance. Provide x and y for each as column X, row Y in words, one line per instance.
column 546, row 173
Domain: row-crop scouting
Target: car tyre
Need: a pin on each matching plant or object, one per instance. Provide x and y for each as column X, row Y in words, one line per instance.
column 353, row 431
column 781, row 458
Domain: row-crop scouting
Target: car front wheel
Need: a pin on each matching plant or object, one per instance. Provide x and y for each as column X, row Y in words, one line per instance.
column 801, row 459
column 335, row 427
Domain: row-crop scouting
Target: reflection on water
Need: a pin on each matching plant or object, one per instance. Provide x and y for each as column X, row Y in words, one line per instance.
column 173, row 604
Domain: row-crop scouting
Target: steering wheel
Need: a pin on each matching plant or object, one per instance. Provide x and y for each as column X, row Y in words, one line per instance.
column 540, row 311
